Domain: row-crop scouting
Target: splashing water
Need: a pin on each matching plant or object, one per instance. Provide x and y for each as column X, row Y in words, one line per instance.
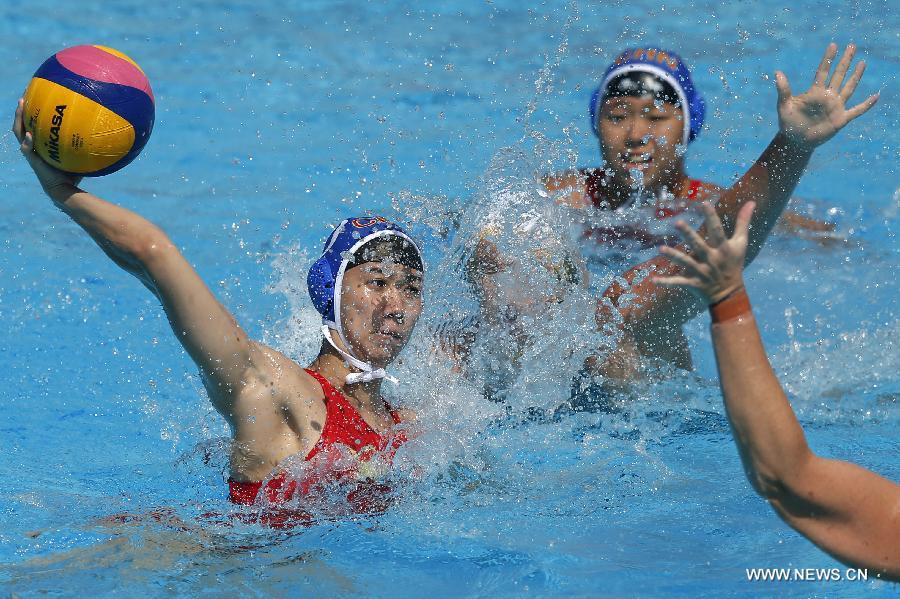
column 641, row 494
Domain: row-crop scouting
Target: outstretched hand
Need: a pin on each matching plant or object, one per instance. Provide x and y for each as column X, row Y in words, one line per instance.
column 813, row 118
column 50, row 178
column 714, row 269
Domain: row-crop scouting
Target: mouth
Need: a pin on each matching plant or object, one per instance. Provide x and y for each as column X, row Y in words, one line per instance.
column 390, row 336
column 637, row 160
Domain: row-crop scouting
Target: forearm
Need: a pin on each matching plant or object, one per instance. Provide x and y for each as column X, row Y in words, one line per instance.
column 792, row 222
column 769, row 182
column 648, row 311
column 121, row 234
column 769, row 437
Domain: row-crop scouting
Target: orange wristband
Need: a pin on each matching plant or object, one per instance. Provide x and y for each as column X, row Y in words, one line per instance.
column 735, row 304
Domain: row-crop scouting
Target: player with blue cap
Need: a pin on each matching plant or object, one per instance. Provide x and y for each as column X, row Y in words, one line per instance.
column 356, row 241
column 296, row 429
column 646, row 110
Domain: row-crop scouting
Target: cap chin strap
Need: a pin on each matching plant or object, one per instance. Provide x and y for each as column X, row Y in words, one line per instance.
column 368, row 373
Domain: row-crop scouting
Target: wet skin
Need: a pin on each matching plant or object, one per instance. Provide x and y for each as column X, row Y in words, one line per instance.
column 641, row 135
column 380, row 304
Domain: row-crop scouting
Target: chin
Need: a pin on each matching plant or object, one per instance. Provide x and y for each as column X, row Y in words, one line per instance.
column 381, row 357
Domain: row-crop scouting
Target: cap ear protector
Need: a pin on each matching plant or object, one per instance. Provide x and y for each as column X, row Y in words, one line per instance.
column 320, row 283
column 668, row 67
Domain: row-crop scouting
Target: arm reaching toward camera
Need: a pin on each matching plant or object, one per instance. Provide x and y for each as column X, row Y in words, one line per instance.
column 211, row 336
column 806, row 121
column 848, row 511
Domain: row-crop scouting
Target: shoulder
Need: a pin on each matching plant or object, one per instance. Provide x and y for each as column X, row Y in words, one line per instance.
column 570, row 187
column 275, row 393
column 563, row 179
column 278, row 376
column 406, row 415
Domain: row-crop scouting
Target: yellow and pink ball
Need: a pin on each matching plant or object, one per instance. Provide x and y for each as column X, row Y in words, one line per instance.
column 90, row 110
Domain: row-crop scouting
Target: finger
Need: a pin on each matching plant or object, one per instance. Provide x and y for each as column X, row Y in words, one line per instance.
column 17, row 121
column 27, row 143
column 825, row 65
column 853, row 81
column 862, row 107
column 783, row 87
column 742, row 224
column 694, row 241
column 843, row 65
column 677, row 282
column 680, row 258
column 714, row 230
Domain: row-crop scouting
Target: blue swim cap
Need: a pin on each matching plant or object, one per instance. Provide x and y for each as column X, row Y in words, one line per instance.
column 668, row 67
column 324, row 278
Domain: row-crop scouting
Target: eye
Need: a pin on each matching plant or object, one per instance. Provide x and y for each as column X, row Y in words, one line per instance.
column 615, row 118
column 377, row 282
column 414, row 291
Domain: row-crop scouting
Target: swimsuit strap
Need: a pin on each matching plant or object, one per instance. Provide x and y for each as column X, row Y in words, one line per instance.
column 333, row 396
column 668, row 210
column 592, row 182
column 327, row 387
column 694, row 189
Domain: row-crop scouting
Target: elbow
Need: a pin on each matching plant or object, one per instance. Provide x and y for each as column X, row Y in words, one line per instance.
column 150, row 245
column 768, row 485
column 781, row 482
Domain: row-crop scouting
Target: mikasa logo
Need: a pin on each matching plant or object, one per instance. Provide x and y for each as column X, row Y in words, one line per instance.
column 53, row 141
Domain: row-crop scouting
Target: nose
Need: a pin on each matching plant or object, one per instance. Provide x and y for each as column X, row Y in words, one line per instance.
column 638, row 131
column 394, row 305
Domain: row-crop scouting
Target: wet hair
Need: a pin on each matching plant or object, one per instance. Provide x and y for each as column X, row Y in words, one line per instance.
column 639, row 84
column 391, row 248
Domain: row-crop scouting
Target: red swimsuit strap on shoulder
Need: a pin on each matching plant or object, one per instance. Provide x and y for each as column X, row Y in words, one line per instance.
column 694, row 189
column 343, row 426
column 593, row 184
column 670, row 209
column 593, row 178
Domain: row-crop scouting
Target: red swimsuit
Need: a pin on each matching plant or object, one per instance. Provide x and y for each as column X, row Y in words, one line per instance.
column 594, row 192
column 343, row 426
column 593, row 187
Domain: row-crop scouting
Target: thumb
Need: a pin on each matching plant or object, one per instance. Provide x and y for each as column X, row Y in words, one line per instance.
column 27, row 149
column 783, row 87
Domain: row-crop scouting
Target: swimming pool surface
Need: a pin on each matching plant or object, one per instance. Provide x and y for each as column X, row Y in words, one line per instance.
column 272, row 125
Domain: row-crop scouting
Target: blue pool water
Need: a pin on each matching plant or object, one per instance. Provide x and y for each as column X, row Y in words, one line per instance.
column 273, row 124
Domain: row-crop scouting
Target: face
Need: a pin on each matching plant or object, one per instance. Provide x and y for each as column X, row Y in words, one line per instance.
column 380, row 304
column 641, row 135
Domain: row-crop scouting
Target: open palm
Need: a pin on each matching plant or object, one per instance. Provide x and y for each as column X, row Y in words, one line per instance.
column 814, row 117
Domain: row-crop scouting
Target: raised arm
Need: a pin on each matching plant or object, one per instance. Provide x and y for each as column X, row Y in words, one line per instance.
column 211, row 336
column 805, row 122
column 848, row 511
